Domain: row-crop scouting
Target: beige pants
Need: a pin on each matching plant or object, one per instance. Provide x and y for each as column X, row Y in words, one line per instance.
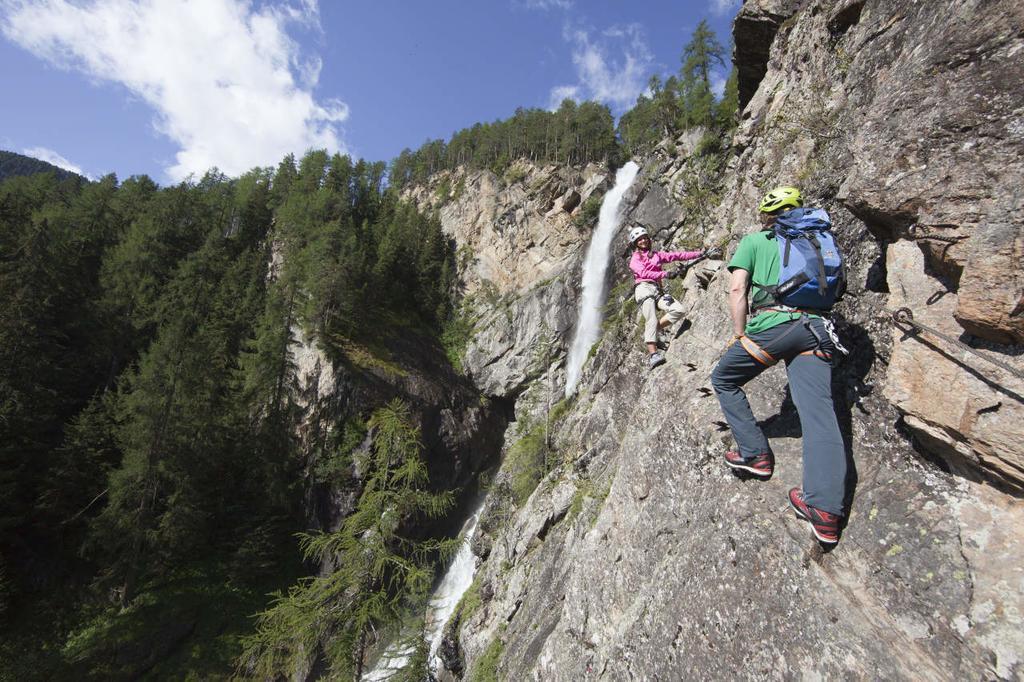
column 651, row 300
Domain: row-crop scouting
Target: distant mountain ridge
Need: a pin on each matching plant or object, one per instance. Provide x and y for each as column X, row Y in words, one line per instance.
column 12, row 165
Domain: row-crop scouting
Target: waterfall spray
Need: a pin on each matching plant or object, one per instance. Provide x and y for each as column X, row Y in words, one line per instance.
column 588, row 323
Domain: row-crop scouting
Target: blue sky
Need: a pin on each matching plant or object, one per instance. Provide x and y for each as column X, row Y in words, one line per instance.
column 172, row 87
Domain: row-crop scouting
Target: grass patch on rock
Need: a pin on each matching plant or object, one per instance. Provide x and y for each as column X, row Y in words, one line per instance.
column 486, row 668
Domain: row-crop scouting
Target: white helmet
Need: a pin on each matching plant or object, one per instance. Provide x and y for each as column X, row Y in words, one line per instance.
column 636, row 233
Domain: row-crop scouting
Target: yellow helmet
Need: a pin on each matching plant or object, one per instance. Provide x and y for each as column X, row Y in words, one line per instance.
column 781, row 197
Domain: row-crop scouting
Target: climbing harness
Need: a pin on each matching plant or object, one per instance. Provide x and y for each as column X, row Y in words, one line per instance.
column 904, row 316
column 765, row 358
column 656, row 295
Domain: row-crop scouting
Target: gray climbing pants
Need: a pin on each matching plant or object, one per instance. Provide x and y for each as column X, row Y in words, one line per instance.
column 810, row 385
column 651, row 300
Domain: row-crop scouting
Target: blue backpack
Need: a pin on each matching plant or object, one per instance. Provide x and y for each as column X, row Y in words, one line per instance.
column 811, row 273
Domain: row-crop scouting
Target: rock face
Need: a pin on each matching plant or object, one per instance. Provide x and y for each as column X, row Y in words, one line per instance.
column 969, row 411
column 753, row 31
column 520, row 240
column 937, row 140
column 991, row 289
column 461, row 431
column 516, row 231
column 639, row 556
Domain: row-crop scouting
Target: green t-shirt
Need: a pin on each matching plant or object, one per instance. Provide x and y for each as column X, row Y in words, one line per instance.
column 758, row 254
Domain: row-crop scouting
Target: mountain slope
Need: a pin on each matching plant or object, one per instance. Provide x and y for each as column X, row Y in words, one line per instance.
column 638, row 555
column 12, row 165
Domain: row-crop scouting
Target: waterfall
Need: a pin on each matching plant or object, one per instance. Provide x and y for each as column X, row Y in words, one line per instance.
column 453, row 585
column 456, row 580
column 588, row 323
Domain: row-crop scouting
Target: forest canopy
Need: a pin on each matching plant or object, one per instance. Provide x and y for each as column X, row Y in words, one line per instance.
column 148, row 385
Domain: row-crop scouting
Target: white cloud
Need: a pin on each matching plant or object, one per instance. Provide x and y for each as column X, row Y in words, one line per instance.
column 723, row 7
column 548, row 4
column 613, row 69
column 50, row 156
column 718, row 83
column 563, row 92
column 228, row 83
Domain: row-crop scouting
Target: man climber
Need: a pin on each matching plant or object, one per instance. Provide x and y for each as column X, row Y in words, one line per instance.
column 800, row 336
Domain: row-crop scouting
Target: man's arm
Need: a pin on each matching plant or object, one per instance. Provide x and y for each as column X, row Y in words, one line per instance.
column 738, row 300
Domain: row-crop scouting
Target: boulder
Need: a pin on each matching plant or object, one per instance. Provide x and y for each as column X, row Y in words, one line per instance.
column 991, row 293
column 960, row 408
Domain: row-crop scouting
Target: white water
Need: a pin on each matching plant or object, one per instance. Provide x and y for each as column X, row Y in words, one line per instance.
column 456, row 580
column 588, row 323
column 453, row 585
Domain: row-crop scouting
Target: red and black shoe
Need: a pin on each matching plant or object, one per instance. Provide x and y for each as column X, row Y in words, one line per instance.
column 824, row 524
column 761, row 465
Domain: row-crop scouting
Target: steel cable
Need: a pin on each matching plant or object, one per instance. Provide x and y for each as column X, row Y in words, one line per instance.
column 904, row 316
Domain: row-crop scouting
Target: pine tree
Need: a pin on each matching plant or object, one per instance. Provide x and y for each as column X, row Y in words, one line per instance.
column 52, row 238
column 699, row 57
column 180, row 458
column 727, row 114
column 379, row 572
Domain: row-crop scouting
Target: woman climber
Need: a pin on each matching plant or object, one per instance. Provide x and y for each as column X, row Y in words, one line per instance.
column 648, row 292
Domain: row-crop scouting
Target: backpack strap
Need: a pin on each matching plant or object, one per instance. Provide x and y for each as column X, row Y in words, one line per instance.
column 821, row 262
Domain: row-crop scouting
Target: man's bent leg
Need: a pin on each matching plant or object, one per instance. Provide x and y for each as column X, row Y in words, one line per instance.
column 734, row 370
column 810, row 384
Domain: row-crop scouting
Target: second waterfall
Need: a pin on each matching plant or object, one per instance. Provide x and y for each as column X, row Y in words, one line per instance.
column 588, row 321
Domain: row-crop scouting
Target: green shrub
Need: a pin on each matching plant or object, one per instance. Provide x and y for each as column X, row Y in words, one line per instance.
column 528, row 463
column 342, row 442
column 500, row 164
column 456, row 333
column 560, row 409
column 531, row 458
column 587, row 489
column 444, row 190
column 460, row 189
column 486, row 668
column 582, row 492
column 515, row 174
column 709, row 143
column 470, row 601
column 589, row 211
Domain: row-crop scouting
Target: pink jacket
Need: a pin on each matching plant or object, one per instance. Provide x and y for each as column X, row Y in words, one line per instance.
column 646, row 265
